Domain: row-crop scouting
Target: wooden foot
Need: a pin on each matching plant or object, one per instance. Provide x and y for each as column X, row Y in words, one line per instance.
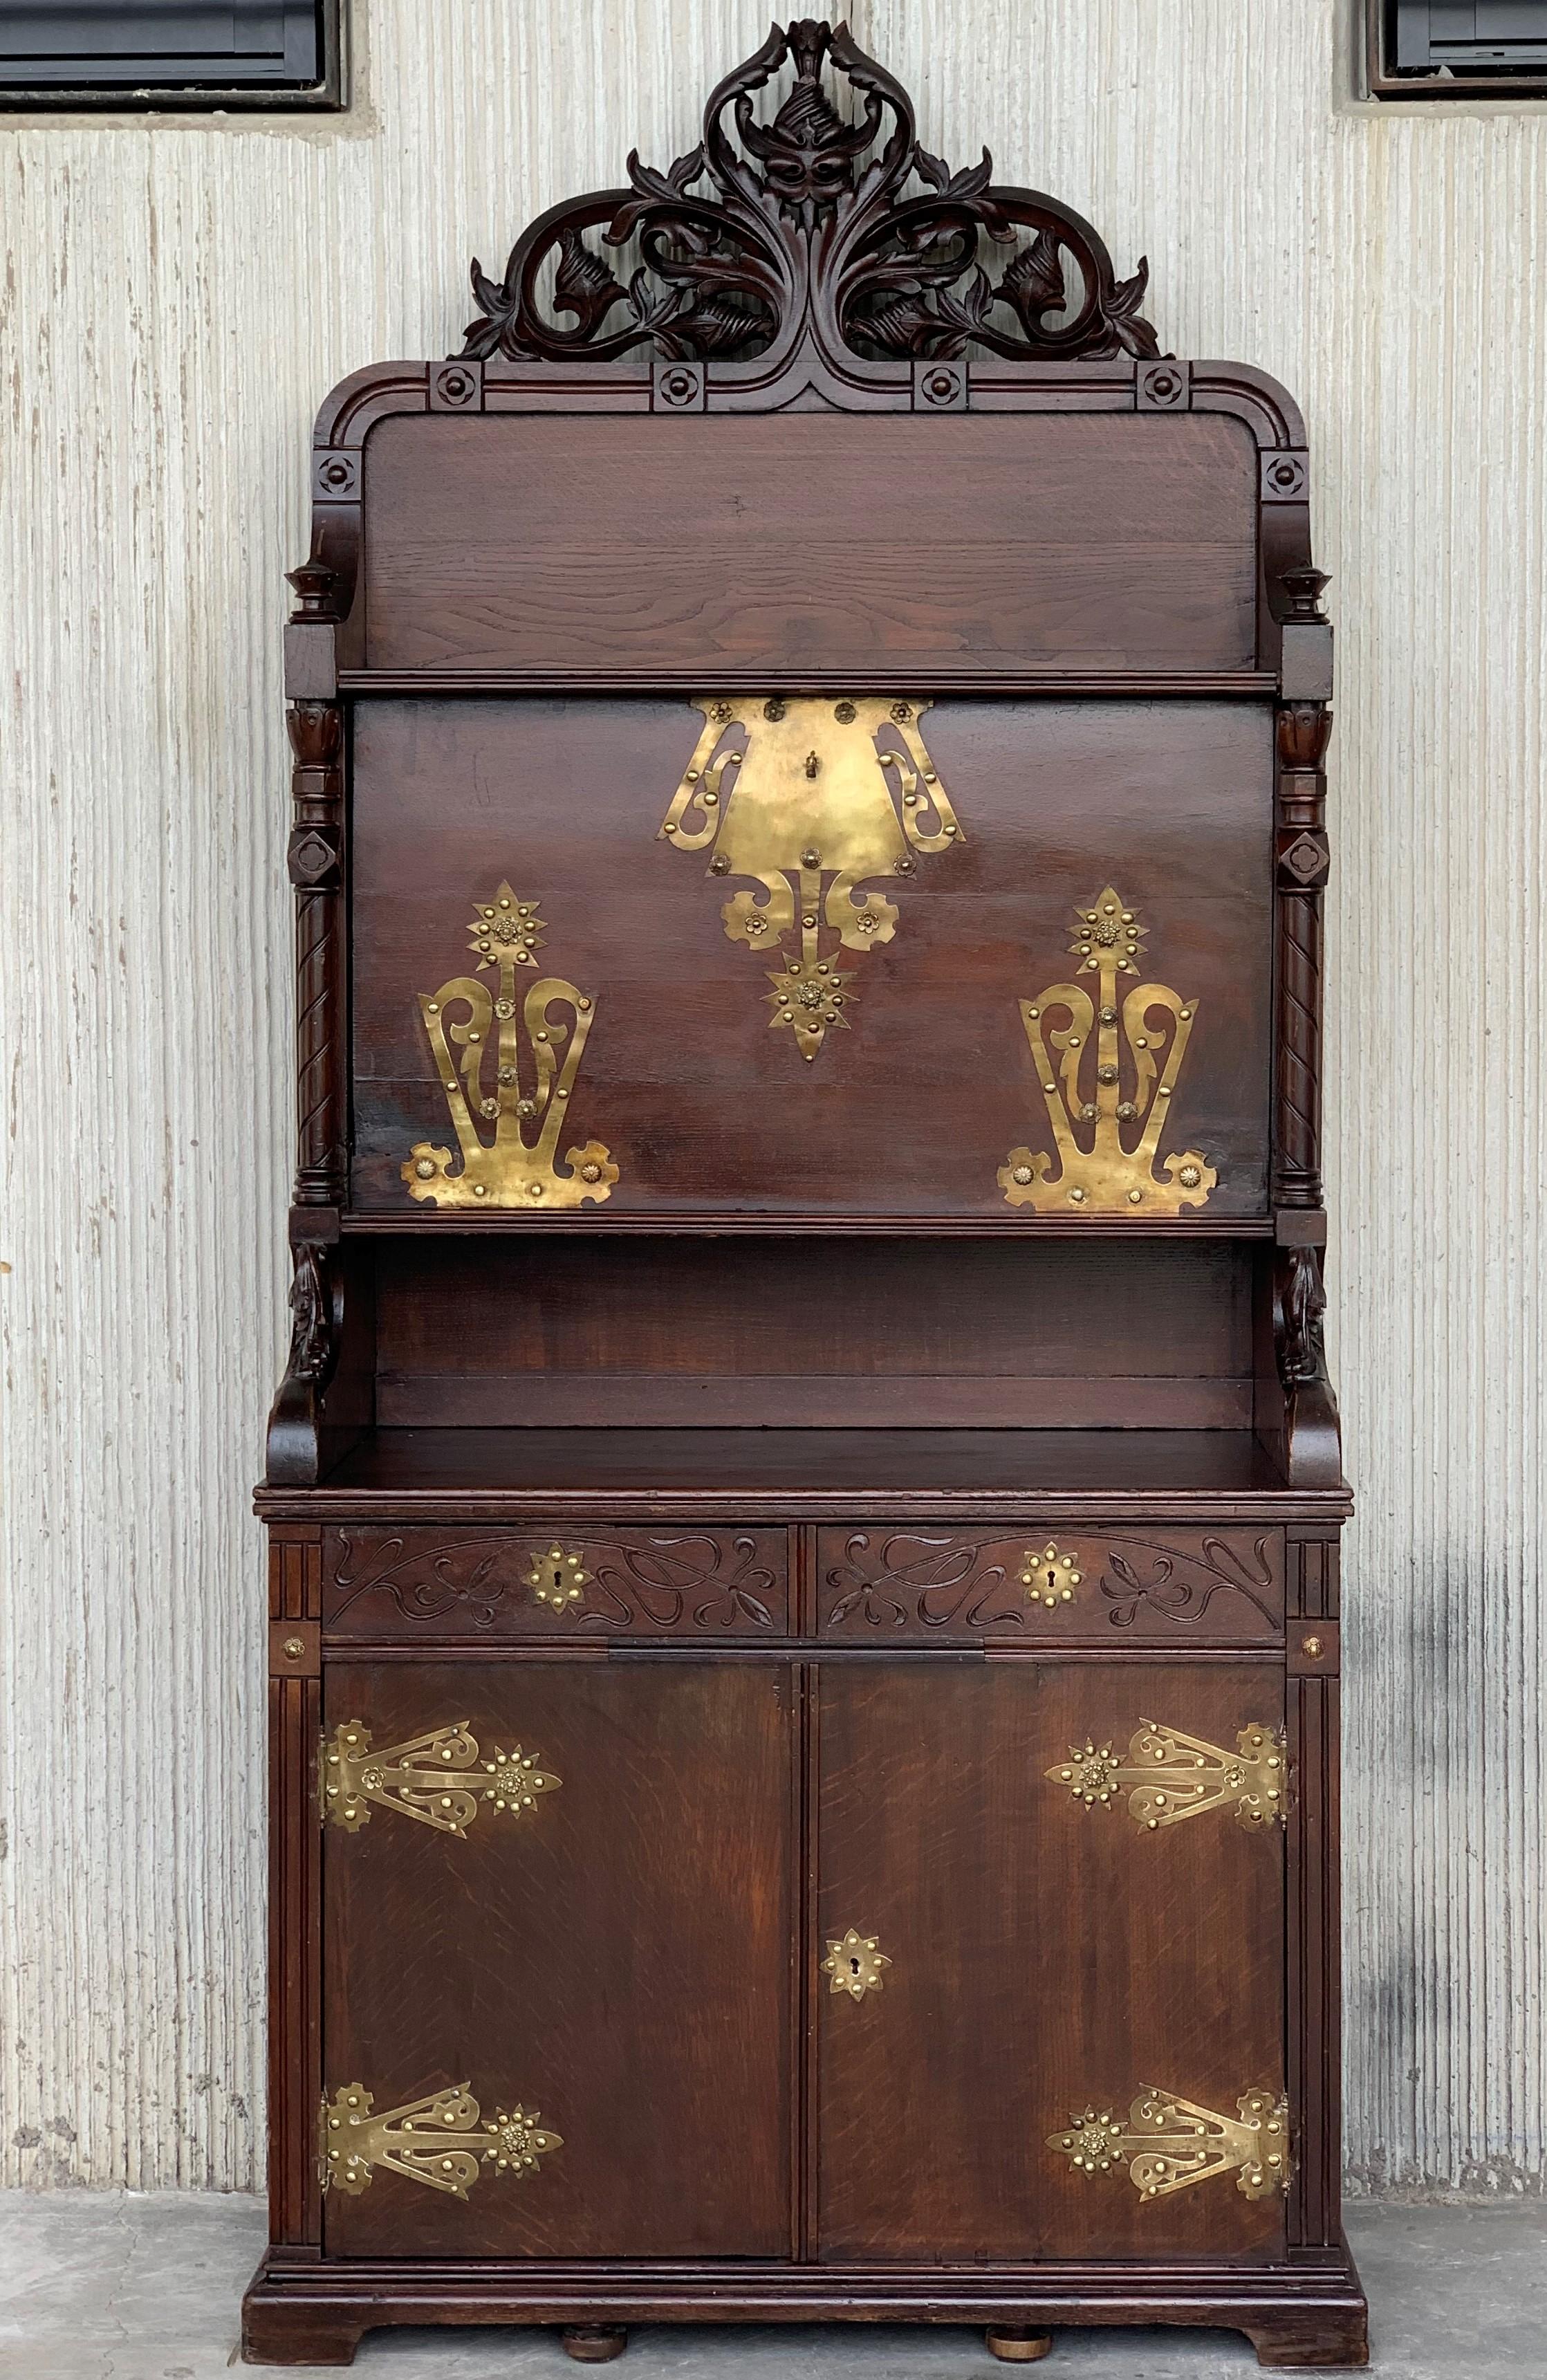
column 594, row 2342
column 293, row 2334
column 1315, row 2341
column 1018, row 2346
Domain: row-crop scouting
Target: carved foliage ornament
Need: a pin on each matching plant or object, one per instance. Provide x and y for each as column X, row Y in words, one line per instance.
column 810, row 813
column 525, row 1108
column 1109, row 1087
column 825, row 221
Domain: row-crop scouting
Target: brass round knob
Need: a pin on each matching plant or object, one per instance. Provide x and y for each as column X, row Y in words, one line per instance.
column 1311, row 1647
column 295, row 1649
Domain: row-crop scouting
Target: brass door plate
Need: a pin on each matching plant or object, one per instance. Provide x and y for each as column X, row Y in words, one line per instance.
column 1170, row 2144
column 522, row 1098
column 816, row 799
column 439, row 1778
column 1109, row 1088
column 437, row 2140
column 1170, row 1776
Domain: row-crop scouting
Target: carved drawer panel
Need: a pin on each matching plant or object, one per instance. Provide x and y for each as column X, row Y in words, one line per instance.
column 1154, row 1585
column 570, row 1583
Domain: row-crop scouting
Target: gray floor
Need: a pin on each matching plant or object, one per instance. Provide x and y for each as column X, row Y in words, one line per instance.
column 107, row 2286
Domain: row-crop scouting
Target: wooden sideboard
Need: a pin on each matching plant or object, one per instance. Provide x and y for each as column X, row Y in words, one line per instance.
column 805, row 1504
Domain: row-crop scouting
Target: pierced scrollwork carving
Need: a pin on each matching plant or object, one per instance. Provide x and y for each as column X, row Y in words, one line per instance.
column 849, row 234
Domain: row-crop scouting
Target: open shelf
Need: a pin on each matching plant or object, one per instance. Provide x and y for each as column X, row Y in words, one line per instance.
column 794, row 1473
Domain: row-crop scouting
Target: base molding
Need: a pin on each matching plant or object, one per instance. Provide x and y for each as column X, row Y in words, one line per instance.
column 303, row 2308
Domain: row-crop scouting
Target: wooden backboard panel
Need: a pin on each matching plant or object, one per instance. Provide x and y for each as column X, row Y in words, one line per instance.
column 934, row 544
column 913, row 1106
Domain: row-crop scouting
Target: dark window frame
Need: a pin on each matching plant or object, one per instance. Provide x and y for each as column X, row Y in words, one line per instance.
column 329, row 93
column 1383, row 82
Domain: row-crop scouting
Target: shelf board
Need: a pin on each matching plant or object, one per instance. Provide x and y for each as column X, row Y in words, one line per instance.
column 842, row 1475
column 893, row 1227
column 887, row 671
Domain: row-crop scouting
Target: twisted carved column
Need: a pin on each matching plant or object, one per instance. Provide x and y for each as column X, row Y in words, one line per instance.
column 316, row 853
column 1301, row 855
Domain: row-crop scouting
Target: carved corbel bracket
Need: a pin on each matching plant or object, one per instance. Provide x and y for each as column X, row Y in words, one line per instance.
column 1311, row 1447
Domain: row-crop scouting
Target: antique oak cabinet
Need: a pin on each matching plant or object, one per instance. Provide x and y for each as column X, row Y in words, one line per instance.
column 804, row 1501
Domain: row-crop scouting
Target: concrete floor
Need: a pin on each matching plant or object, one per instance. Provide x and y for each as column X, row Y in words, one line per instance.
column 109, row 2286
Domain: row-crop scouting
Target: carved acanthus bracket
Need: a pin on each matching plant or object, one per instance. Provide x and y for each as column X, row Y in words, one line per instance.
column 847, row 233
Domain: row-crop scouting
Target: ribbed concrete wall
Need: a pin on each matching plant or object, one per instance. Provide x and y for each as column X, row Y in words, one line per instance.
column 177, row 300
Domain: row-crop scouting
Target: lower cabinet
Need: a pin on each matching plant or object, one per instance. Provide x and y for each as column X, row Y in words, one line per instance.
column 1060, row 1947
column 574, row 2012
column 1029, row 1928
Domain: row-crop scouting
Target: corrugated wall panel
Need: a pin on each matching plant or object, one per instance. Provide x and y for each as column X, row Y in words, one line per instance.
column 178, row 298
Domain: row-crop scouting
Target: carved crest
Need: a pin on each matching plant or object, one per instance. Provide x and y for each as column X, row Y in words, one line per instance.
column 821, row 221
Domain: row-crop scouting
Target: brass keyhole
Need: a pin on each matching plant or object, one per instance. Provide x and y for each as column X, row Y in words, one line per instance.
column 1050, row 1577
column 855, row 1967
column 558, row 1578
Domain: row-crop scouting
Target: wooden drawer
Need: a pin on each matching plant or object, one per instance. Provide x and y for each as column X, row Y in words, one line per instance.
column 571, row 1583
column 1154, row 1585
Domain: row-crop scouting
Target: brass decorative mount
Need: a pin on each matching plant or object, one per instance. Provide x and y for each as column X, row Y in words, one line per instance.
column 812, row 813
column 854, row 1963
column 1172, row 2144
column 1049, row 1577
column 1170, row 1776
column 437, row 2140
column 438, row 1777
column 528, row 1105
column 1129, row 1061
column 559, row 1578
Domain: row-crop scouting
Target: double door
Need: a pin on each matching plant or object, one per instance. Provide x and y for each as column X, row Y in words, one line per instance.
column 851, row 1960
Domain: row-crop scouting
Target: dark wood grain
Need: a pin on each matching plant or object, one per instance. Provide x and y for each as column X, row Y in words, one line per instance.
column 806, row 1396
column 477, row 1583
column 1157, row 1586
column 692, row 543
column 618, row 1959
column 1044, row 1957
column 964, row 1333
column 914, row 1109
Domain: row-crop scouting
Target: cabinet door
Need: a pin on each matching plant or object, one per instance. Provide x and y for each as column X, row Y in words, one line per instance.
column 1048, row 1956
column 574, row 2012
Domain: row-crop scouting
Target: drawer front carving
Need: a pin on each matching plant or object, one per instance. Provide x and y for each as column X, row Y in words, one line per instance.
column 568, row 1582
column 1159, row 1586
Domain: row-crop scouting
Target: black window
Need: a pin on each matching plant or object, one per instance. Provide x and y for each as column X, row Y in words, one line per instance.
column 1458, row 49
column 152, row 54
